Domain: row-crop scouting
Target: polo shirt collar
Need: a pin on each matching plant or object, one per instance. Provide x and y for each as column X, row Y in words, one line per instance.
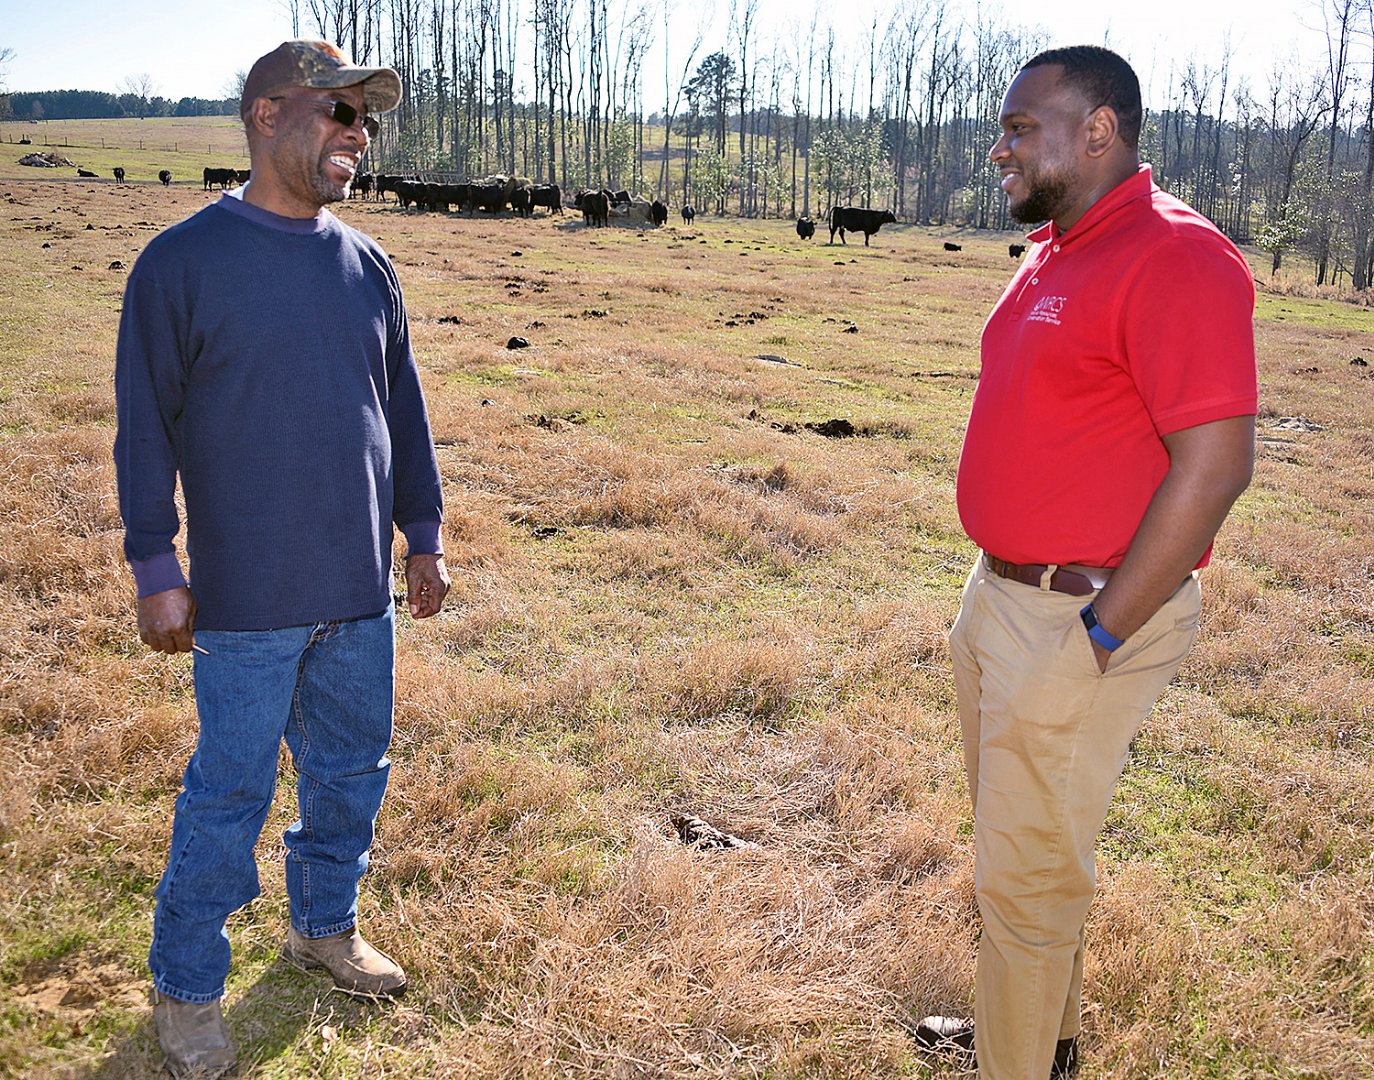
column 1133, row 187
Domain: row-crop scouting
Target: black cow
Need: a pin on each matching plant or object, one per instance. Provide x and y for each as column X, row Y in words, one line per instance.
column 387, row 182
column 806, row 228
column 953, row 247
column 659, row 212
column 857, row 219
column 409, row 191
column 1016, row 250
column 449, row 195
column 596, row 208
column 362, row 185
column 165, row 175
column 688, row 215
column 490, row 197
column 520, row 201
column 86, row 173
column 243, row 175
column 618, row 196
column 119, row 174
column 222, row 177
column 550, row 195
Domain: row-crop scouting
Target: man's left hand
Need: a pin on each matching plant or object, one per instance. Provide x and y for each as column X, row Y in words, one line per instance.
column 426, row 584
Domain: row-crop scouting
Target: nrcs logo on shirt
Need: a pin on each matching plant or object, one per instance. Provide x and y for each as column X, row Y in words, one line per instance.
column 1047, row 310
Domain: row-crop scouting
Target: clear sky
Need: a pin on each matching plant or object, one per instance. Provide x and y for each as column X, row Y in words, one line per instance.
column 192, row 49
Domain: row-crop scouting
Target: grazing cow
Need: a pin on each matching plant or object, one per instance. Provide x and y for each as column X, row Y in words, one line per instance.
column 119, row 174
column 86, row 173
column 857, row 219
column 362, row 185
column 549, row 195
column 222, row 177
column 659, row 212
column 520, row 201
column 618, row 196
column 953, row 247
column 1016, row 250
column 806, row 228
column 165, row 175
column 596, row 208
column 688, row 215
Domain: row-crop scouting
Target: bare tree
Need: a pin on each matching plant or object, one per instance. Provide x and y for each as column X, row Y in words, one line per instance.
column 1339, row 18
column 742, row 30
column 1295, row 110
column 6, row 55
column 1362, row 276
column 672, row 99
column 233, row 86
column 139, row 86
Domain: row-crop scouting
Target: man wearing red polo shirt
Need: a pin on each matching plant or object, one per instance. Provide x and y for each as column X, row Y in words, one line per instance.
column 1112, row 429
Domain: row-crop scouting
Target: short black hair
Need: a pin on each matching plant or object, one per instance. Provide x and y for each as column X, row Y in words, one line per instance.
column 1104, row 79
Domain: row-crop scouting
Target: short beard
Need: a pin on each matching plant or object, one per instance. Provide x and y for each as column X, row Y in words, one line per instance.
column 1045, row 199
column 327, row 192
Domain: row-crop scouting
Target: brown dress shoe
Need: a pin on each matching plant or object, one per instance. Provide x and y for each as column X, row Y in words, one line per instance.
column 194, row 1039
column 356, row 966
column 948, row 1034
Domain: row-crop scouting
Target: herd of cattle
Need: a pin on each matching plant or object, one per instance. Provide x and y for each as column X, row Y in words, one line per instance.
column 496, row 194
column 598, row 207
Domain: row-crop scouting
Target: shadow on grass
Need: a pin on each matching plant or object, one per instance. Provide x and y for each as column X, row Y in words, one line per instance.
column 272, row 1018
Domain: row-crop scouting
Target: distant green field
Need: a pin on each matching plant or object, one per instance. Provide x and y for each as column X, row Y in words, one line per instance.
column 186, row 145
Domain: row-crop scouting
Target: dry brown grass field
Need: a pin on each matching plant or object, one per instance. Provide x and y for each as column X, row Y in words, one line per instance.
column 672, row 597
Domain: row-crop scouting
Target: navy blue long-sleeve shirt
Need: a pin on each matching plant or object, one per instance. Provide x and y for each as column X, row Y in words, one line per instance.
column 267, row 361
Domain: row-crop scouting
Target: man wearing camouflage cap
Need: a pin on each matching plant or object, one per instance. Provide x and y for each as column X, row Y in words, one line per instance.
column 264, row 358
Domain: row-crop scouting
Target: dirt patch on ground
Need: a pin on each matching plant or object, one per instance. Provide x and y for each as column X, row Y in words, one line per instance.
column 79, row 982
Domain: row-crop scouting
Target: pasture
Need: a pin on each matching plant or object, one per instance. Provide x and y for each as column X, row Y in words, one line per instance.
column 185, row 145
column 671, row 596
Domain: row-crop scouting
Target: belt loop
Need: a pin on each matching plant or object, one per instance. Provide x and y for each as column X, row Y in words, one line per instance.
column 1047, row 576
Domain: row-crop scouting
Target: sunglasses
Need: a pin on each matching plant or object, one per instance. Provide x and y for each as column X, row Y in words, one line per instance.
column 341, row 112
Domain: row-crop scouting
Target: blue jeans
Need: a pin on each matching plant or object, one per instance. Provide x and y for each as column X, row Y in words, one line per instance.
column 328, row 690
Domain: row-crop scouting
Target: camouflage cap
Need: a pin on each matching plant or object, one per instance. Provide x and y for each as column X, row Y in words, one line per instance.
column 322, row 66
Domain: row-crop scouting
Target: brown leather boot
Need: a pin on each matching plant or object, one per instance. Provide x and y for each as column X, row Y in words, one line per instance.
column 194, row 1039
column 356, row 966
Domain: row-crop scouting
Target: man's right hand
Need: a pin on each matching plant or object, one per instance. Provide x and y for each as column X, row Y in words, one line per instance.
column 166, row 619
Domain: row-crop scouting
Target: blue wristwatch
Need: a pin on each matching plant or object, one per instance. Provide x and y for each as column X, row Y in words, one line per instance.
column 1097, row 632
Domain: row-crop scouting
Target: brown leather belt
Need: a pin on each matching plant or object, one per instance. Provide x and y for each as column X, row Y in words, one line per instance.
column 1076, row 582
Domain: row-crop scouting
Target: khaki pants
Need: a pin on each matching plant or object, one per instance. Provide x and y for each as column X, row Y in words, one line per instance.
column 1045, row 739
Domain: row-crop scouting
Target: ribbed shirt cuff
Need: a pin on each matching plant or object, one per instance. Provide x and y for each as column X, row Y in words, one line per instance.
column 422, row 538
column 158, row 574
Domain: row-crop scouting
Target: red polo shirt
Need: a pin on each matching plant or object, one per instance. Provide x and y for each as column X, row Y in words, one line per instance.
column 1134, row 324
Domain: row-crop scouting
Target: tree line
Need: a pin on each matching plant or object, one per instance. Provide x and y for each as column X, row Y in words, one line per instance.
column 98, row 105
